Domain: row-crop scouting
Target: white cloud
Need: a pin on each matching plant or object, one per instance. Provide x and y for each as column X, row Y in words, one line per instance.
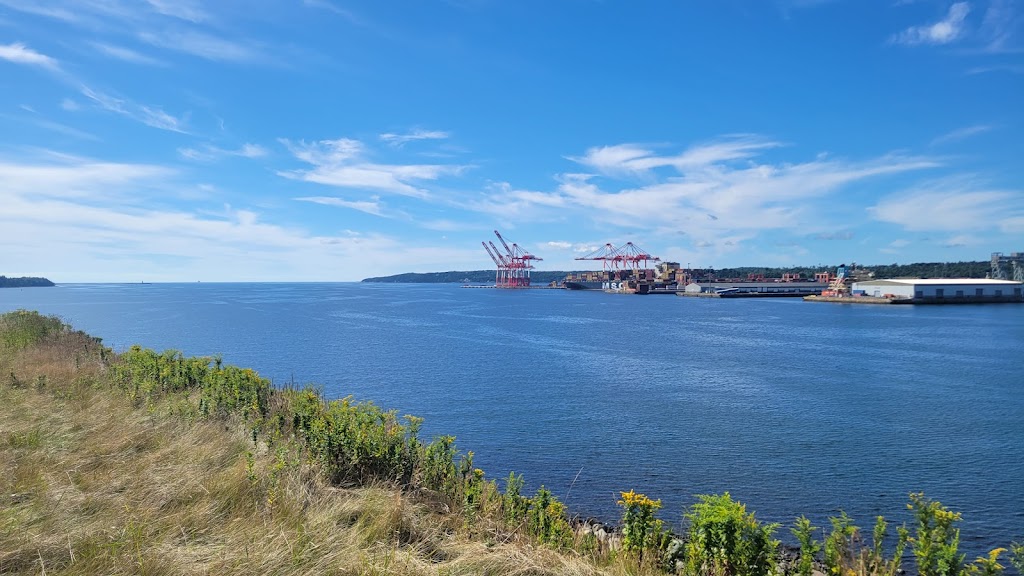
column 126, row 54
column 21, row 54
column 148, row 115
column 1000, row 29
column 944, row 31
column 372, row 206
column 203, row 45
column 182, row 9
column 837, row 235
column 343, row 163
column 1012, row 224
column 960, row 134
column 77, row 178
column 896, row 246
column 100, row 229
column 953, row 206
column 70, row 105
column 251, row 151
column 210, row 153
column 398, row 140
column 1009, row 68
column 709, row 197
column 634, row 158
column 557, row 245
column 961, row 240
column 37, row 120
column 41, row 9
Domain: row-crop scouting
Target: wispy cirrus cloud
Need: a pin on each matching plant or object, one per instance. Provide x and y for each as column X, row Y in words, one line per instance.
column 1010, row 68
column 838, row 235
column 1001, row 28
column 634, row 158
column 183, row 26
column 951, row 205
column 960, row 134
column 399, row 140
column 896, row 246
column 57, row 12
column 961, row 240
column 101, row 14
column 126, row 54
column 944, row 31
column 345, row 163
column 19, row 53
column 36, row 119
column 210, row 153
column 182, row 9
column 372, row 206
column 148, row 115
column 204, row 45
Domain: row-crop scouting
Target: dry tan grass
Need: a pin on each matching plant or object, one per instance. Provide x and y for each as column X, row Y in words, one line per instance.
column 92, row 485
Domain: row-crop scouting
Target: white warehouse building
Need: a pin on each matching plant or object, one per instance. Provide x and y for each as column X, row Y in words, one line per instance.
column 944, row 290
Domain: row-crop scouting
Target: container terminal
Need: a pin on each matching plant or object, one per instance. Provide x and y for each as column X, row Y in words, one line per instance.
column 626, row 270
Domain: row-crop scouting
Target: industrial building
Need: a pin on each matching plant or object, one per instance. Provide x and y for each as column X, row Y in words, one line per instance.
column 943, row 290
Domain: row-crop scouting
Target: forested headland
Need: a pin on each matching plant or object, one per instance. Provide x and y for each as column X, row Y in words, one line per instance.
column 23, row 282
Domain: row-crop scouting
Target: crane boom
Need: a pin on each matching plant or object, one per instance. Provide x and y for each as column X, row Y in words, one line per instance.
column 503, row 243
column 491, row 254
column 504, row 262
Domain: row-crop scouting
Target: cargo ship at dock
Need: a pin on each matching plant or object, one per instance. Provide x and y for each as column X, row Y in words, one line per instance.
column 663, row 278
column 668, row 278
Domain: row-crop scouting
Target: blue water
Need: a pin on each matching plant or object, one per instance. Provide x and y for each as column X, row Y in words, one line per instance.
column 793, row 407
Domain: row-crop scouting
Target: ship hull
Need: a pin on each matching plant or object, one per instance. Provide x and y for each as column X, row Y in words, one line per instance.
column 596, row 285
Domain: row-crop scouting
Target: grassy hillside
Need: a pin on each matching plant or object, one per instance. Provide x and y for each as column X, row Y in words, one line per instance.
column 111, row 467
column 156, row 463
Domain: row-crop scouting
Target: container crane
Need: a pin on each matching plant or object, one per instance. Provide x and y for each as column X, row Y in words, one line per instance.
column 499, row 275
column 514, row 264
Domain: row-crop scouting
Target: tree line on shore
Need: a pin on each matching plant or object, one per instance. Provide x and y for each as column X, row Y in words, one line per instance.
column 23, row 282
column 977, row 269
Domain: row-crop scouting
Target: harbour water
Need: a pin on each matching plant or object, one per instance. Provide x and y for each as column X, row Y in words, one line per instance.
column 793, row 408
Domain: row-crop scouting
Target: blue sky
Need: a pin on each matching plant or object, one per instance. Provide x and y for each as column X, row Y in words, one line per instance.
column 165, row 140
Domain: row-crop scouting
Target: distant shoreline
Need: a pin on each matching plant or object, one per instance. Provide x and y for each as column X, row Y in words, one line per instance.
column 25, row 282
column 974, row 269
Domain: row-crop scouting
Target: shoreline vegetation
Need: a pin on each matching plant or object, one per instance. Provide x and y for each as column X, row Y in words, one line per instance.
column 24, row 282
column 157, row 463
column 918, row 270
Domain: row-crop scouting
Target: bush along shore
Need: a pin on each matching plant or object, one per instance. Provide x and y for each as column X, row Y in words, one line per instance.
column 158, row 463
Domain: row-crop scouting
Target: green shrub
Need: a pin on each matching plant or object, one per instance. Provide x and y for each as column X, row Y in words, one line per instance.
column 987, row 565
column 723, row 540
column 22, row 328
column 809, row 547
column 936, row 541
column 840, row 544
column 439, row 466
column 546, row 519
column 641, row 531
column 876, row 561
column 513, row 504
column 1017, row 556
column 357, row 442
